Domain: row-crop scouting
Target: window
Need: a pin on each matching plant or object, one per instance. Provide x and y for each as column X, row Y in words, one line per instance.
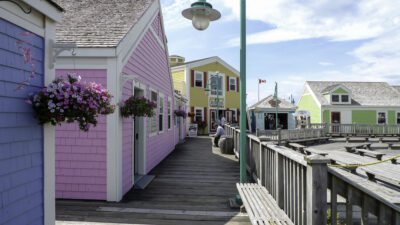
column 216, row 85
column 398, row 118
column 335, row 98
column 345, row 98
column 153, row 120
column 381, row 117
column 161, row 114
column 169, row 114
column 198, row 115
column 198, row 79
column 232, row 84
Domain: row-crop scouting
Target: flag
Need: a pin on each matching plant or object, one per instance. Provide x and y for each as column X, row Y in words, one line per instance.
column 261, row 81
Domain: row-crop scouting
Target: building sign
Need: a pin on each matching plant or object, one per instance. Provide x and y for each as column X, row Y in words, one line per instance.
column 216, row 103
column 192, row 130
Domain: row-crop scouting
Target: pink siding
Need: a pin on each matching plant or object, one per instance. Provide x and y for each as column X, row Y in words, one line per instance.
column 127, row 143
column 150, row 62
column 81, row 156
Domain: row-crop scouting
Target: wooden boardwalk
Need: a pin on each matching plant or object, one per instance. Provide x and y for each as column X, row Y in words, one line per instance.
column 192, row 186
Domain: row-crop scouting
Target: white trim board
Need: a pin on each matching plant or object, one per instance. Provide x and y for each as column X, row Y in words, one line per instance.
column 49, row 136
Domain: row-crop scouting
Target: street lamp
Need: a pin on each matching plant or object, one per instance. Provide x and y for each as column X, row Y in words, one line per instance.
column 201, row 13
column 202, row 10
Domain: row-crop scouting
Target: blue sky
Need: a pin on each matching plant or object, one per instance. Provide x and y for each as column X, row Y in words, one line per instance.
column 291, row 41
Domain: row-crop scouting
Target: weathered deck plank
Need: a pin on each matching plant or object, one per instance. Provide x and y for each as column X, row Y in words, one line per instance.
column 192, row 186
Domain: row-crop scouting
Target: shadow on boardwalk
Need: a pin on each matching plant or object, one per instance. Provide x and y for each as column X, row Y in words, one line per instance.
column 192, row 186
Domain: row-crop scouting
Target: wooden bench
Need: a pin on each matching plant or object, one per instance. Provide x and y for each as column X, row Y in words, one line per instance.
column 310, row 151
column 261, row 206
column 363, row 152
column 351, row 148
column 319, row 139
column 297, row 147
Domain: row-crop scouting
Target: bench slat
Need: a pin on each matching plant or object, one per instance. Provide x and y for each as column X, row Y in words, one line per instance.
column 261, row 206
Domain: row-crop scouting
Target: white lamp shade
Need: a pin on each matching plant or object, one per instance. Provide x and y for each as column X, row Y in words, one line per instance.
column 200, row 21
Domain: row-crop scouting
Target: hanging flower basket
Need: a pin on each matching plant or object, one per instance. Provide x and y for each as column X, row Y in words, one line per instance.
column 137, row 107
column 69, row 100
column 180, row 113
column 190, row 114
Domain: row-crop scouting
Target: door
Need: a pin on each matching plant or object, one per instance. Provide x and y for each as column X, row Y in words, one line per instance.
column 138, row 146
column 228, row 116
column 213, row 120
column 335, row 121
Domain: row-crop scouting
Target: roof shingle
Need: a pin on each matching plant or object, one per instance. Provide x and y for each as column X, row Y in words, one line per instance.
column 98, row 23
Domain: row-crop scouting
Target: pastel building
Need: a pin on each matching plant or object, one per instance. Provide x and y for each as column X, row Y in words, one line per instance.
column 26, row 148
column 211, row 86
column 122, row 45
column 263, row 114
column 351, row 102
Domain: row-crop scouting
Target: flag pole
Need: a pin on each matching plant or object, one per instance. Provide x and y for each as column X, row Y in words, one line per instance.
column 258, row 91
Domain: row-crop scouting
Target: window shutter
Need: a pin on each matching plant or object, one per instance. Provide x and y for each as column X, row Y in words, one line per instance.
column 205, row 79
column 205, row 114
column 192, row 77
column 227, row 83
column 192, row 111
column 237, row 84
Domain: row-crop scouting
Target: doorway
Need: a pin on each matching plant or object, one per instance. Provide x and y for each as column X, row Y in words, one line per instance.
column 270, row 124
column 139, row 133
column 335, row 117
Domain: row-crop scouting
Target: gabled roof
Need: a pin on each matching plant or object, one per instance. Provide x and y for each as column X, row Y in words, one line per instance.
column 397, row 87
column 205, row 61
column 362, row 93
column 98, row 23
column 265, row 104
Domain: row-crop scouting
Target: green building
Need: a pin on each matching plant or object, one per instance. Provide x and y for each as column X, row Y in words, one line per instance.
column 351, row 102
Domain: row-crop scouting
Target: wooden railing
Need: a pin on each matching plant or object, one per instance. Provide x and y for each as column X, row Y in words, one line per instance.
column 375, row 208
column 358, row 129
column 300, row 184
column 296, row 182
column 287, row 135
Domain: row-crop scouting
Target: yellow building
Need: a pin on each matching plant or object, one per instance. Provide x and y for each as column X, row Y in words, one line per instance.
column 212, row 87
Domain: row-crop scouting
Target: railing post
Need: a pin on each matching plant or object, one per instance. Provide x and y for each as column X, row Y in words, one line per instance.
column 279, row 136
column 279, row 180
column 317, row 184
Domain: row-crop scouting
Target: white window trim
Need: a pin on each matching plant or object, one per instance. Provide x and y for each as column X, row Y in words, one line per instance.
column 169, row 113
column 152, row 134
column 234, row 79
column 195, row 79
column 202, row 113
column 340, row 99
column 223, row 84
column 161, row 95
column 386, row 118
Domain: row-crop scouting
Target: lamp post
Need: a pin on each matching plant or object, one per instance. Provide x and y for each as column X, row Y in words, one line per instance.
column 201, row 13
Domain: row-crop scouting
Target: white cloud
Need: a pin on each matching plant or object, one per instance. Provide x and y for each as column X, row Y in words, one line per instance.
column 339, row 20
column 326, row 64
column 380, row 58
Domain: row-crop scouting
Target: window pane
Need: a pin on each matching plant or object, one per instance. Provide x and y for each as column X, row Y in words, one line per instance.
column 232, row 84
column 398, row 118
column 199, row 115
column 345, row 98
column 216, row 85
column 153, row 120
column 335, row 98
column 199, row 80
column 381, row 118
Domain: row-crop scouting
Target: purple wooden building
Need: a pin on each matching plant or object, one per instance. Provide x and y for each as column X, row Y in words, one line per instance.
column 26, row 148
column 122, row 45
